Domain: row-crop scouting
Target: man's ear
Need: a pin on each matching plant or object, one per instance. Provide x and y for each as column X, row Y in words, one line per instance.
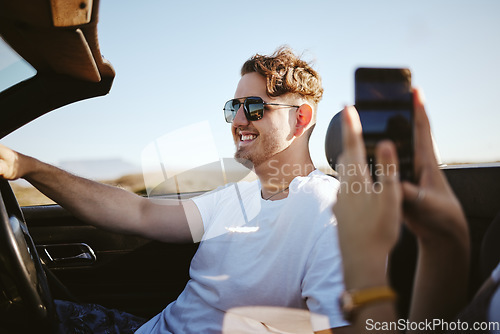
column 304, row 116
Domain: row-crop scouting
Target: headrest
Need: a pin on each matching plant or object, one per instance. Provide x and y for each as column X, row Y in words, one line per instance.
column 333, row 140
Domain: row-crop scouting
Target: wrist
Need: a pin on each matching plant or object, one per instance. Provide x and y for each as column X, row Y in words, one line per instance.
column 354, row 301
column 27, row 166
column 453, row 240
column 366, row 271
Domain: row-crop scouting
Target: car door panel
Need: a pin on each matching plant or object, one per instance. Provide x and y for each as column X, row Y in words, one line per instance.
column 129, row 273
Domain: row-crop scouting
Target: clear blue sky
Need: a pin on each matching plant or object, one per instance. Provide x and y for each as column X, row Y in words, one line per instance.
column 178, row 62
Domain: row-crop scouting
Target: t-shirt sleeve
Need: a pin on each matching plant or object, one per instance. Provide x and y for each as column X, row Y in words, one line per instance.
column 206, row 204
column 323, row 282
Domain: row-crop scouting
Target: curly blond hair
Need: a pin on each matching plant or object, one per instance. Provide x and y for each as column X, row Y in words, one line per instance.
column 286, row 73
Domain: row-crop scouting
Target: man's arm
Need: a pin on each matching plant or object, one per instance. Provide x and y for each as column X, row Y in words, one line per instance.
column 103, row 205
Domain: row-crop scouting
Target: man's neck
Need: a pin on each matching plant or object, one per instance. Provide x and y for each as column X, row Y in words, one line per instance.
column 276, row 174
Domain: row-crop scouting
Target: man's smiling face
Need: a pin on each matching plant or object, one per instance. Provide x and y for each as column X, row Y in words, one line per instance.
column 258, row 141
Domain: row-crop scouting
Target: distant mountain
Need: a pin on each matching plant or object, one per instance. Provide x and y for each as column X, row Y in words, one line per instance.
column 105, row 169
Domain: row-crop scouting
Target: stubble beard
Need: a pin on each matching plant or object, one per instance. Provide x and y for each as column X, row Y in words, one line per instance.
column 262, row 150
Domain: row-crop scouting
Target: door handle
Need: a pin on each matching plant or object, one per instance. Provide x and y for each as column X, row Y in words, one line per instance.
column 75, row 254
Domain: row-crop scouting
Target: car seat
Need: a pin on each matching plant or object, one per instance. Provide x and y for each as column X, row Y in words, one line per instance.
column 490, row 248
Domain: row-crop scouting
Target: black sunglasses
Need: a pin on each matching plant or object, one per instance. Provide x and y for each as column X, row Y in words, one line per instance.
column 253, row 107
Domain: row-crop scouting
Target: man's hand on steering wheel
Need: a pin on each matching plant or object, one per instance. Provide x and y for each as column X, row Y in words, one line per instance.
column 11, row 167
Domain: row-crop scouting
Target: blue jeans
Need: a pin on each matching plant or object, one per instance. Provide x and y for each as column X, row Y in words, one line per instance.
column 91, row 318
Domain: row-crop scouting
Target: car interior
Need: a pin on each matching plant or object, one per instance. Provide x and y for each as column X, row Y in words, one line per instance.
column 46, row 253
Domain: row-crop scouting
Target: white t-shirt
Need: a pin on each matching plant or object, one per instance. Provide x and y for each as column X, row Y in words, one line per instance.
column 262, row 264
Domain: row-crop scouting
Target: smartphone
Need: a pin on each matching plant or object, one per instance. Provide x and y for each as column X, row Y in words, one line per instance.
column 384, row 100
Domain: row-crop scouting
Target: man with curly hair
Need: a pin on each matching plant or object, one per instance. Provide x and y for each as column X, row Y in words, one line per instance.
column 268, row 259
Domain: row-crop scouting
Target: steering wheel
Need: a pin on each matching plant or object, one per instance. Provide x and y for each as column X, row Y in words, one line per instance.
column 25, row 296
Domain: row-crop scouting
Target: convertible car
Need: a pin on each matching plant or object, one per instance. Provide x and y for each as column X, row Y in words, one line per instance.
column 47, row 254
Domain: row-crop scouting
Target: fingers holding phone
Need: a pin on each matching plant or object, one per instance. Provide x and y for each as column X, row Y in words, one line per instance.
column 431, row 209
